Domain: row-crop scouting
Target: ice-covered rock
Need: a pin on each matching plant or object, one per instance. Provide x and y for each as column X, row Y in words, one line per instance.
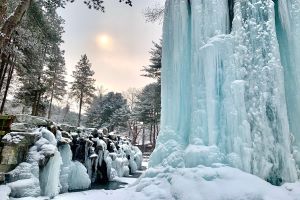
column 78, row 178
column 21, row 127
column 39, row 174
column 21, row 138
column 48, row 168
column 73, row 175
column 49, row 176
column 15, row 149
column 33, row 120
column 137, row 156
column 24, row 180
column 67, row 128
column 25, row 188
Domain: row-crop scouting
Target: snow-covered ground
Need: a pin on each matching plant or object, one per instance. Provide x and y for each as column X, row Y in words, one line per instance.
column 124, row 183
column 218, row 182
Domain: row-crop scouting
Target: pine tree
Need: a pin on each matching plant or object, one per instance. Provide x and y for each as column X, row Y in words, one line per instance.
column 41, row 67
column 154, row 69
column 148, row 108
column 102, row 109
column 119, row 119
column 55, row 77
column 82, row 88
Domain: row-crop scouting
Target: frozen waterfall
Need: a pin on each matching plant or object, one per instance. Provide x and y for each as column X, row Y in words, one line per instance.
column 230, row 86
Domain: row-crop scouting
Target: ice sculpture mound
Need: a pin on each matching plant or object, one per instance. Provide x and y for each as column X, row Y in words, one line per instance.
column 230, row 87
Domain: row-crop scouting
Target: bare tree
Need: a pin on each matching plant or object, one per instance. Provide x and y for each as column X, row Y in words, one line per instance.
column 154, row 14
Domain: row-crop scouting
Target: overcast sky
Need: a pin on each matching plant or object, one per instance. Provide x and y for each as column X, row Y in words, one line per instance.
column 117, row 42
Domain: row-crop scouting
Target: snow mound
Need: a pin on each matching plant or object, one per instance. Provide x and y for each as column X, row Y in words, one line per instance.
column 218, row 182
column 78, row 179
column 4, row 192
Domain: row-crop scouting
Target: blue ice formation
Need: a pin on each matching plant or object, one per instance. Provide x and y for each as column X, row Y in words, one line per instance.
column 231, row 86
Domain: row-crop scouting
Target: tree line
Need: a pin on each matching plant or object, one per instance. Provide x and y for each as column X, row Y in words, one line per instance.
column 133, row 110
column 33, row 72
column 30, row 54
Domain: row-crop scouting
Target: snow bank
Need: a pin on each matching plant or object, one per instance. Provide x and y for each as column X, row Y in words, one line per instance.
column 218, row 182
column 214, row 183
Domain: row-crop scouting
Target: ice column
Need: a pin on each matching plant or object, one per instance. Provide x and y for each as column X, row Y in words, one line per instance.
column 176, row 82
column 223, row 89
column 288, row 32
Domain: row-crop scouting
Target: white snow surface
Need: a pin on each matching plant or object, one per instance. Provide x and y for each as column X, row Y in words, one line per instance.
column 218, row 182
column 4, row 192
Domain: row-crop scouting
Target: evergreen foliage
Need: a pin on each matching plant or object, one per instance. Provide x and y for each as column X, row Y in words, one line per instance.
column 82, row 88
column 154, row 69
column 102, row 111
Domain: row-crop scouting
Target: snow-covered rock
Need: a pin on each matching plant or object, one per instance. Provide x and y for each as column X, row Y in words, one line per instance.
column 49, row 168
column 15, row 149
column 73, row 175
column 78, row 178
column 33, row 120
column 22, row 127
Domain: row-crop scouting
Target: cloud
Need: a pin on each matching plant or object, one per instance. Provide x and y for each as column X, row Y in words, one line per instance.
column 125, row 40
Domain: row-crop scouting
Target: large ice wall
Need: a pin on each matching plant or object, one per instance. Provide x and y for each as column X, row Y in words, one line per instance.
column 230, row 86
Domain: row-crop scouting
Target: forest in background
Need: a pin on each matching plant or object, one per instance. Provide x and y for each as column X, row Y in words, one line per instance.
column 33, row 74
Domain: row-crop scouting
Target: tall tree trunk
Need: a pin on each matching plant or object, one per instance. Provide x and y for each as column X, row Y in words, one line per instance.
column 65, row 113
column 34, row 103
column 38, row 97
column 3, row 63
column 80, row 105
column 11, row 23
column 3, row 11
column 154, row 134
column 129, row 129
column 151, row 133
column 3, row 72
column 51, row 99
column 9, row 77
column 38, row 104
column 135, row 134
column 143, row 139
column 23, row 109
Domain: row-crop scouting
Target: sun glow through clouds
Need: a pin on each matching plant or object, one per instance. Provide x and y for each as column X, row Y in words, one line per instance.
column 104, row 41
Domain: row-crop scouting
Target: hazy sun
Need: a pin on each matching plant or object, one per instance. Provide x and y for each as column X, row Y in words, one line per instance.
column 104, row 40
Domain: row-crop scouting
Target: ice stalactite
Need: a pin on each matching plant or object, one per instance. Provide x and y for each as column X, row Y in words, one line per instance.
column 73, row 175
column 49, row 176
column 227, row 86
column 288, row 32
